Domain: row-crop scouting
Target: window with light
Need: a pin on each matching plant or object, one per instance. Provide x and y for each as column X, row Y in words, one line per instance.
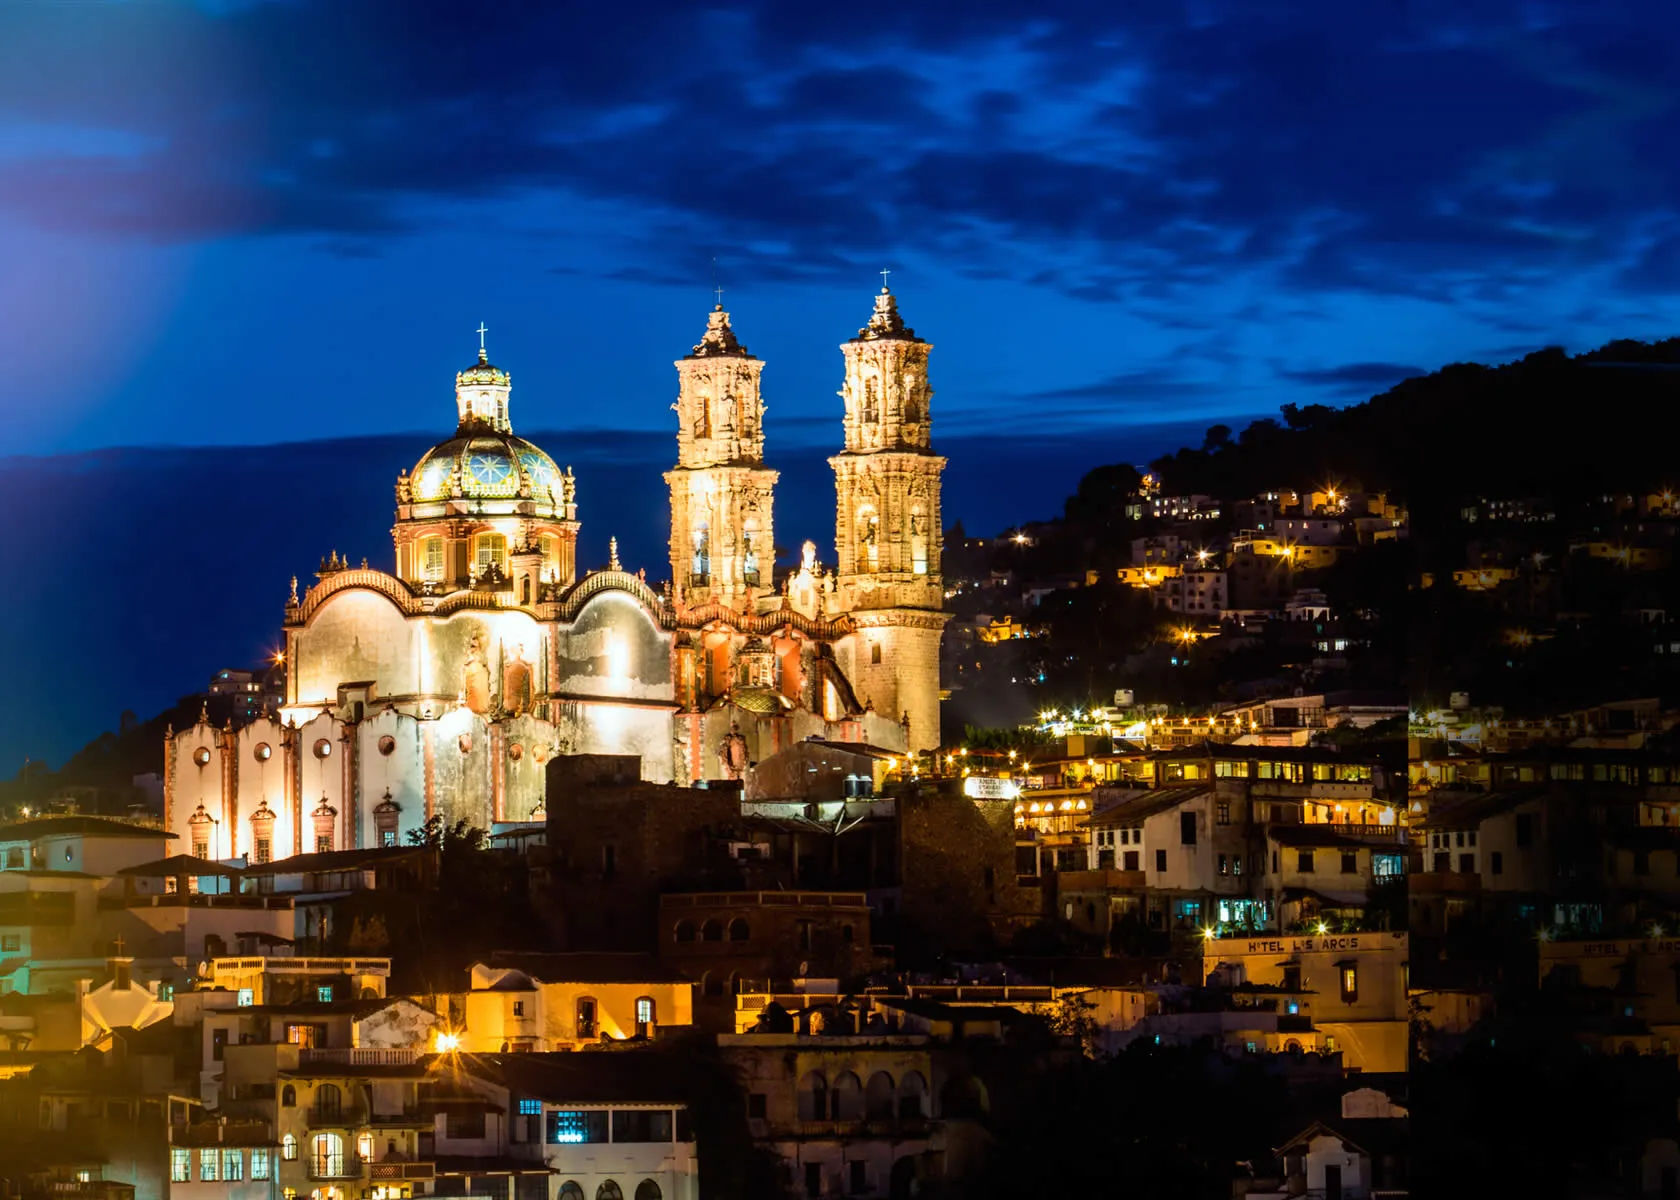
column 180, row 1164
column 326, row 1155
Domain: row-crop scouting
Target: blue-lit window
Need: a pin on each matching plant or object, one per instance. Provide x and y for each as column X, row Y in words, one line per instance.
column 1388, row 865
column 530, row 1108
column 166, row 991
column 577, row 1127
column 247, row 997
column 324, row 993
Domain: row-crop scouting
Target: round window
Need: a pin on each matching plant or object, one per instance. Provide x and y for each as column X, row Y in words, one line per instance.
column 516, row 752
column 323, row 748
column 387, row 745
column 540, row 753
column 201, row 756
column 465, row 742
column 263, row 752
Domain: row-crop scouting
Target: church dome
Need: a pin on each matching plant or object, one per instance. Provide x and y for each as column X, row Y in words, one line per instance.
column 493, row 465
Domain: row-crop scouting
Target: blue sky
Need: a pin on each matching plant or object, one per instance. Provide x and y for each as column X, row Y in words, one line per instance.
column 252, row 221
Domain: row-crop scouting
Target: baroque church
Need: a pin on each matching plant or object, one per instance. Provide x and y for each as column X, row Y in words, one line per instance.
column 444, row 686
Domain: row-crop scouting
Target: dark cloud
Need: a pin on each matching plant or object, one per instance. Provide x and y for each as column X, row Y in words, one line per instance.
column 1421, row 152
column 1358, row 377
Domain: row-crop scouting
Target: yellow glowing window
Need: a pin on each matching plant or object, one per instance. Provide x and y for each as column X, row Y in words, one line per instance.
column 490, row 549
column 431, row 558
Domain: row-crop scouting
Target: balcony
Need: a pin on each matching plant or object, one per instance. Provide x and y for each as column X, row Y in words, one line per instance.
column 335, row 1167
column 358, row 1057
column 344, row 1116
column 387, row 1172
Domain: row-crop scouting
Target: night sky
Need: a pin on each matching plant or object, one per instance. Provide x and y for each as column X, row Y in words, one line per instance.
column 244, row 222
column 248, row 222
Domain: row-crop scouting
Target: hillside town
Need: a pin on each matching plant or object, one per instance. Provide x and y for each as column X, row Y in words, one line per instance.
column 1271, row 800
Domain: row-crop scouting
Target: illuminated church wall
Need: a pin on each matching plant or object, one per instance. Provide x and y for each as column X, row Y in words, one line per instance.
column 527, row 744
column 390, row 752
column 356, row 636
column 613, row 648
column 461, row 758
column 264, row 754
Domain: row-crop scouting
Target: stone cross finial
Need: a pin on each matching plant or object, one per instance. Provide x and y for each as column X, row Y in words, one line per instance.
column 885, row 271
column 481, row 331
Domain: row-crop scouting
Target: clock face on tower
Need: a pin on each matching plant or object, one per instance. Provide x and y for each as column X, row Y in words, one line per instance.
column 489, row 469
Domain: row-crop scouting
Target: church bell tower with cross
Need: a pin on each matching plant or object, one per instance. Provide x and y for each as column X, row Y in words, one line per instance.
column 887, row 522
column 722, row 531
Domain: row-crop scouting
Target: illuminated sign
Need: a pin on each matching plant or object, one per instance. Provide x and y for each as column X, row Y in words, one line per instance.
column 984, row 787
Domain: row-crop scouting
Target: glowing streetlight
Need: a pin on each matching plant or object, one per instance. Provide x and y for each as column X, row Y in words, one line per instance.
column 447, row 1043
column 1323, row 929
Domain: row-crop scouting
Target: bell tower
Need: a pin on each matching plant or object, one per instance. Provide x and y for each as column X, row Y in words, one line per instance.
column 887, row 523
column 722, row 533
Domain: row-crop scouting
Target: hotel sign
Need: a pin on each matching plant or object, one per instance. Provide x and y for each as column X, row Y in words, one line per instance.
column 1610, row 949
column 984, row 787
column 1329, row 943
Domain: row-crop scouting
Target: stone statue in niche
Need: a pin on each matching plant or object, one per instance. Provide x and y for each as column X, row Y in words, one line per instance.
column 516, row 682
column 475, row 677
column 732, row 753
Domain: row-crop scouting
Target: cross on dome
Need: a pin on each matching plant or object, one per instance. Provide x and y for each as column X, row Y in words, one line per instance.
column 885, row 271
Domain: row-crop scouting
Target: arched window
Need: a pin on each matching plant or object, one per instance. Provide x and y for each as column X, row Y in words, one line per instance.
column 326, row 1155
column 749, row 557
column 878, row 1097
column 738, row 930
column 685, row 930
column 871, row 401
column 711, row 931
column 869, row 540
column 813, row 1097
column 701, row 569
column 429, row 557
column 918, row 542
column 525, row 590
column 489, row 550
column 647, row 1189
column 288, row 1147
column 912, row 1097
column 609, row 1191
column 847, row 1097
column 570, row 1190
column 329, row 1100
column 963, row 1098
column 288, row 1097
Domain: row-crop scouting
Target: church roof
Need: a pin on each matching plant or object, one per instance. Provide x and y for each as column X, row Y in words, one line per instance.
column 719, row 340
column 885, row 322
column 482, row 372
column 492, row 466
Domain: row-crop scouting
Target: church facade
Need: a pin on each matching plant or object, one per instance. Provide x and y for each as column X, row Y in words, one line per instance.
column 445, row 686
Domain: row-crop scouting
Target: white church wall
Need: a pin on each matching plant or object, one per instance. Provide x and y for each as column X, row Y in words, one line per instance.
column 196, row 762
column 528, row 743
column 391, row 755
column 356, row 636
column 484, row 660
column 260, row 759
column 607, row 728
column 614, row 648
column 461, row 766
column 321, row 748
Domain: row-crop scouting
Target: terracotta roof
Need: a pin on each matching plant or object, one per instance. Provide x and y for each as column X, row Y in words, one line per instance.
column 181, row 864
column 61, row 826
